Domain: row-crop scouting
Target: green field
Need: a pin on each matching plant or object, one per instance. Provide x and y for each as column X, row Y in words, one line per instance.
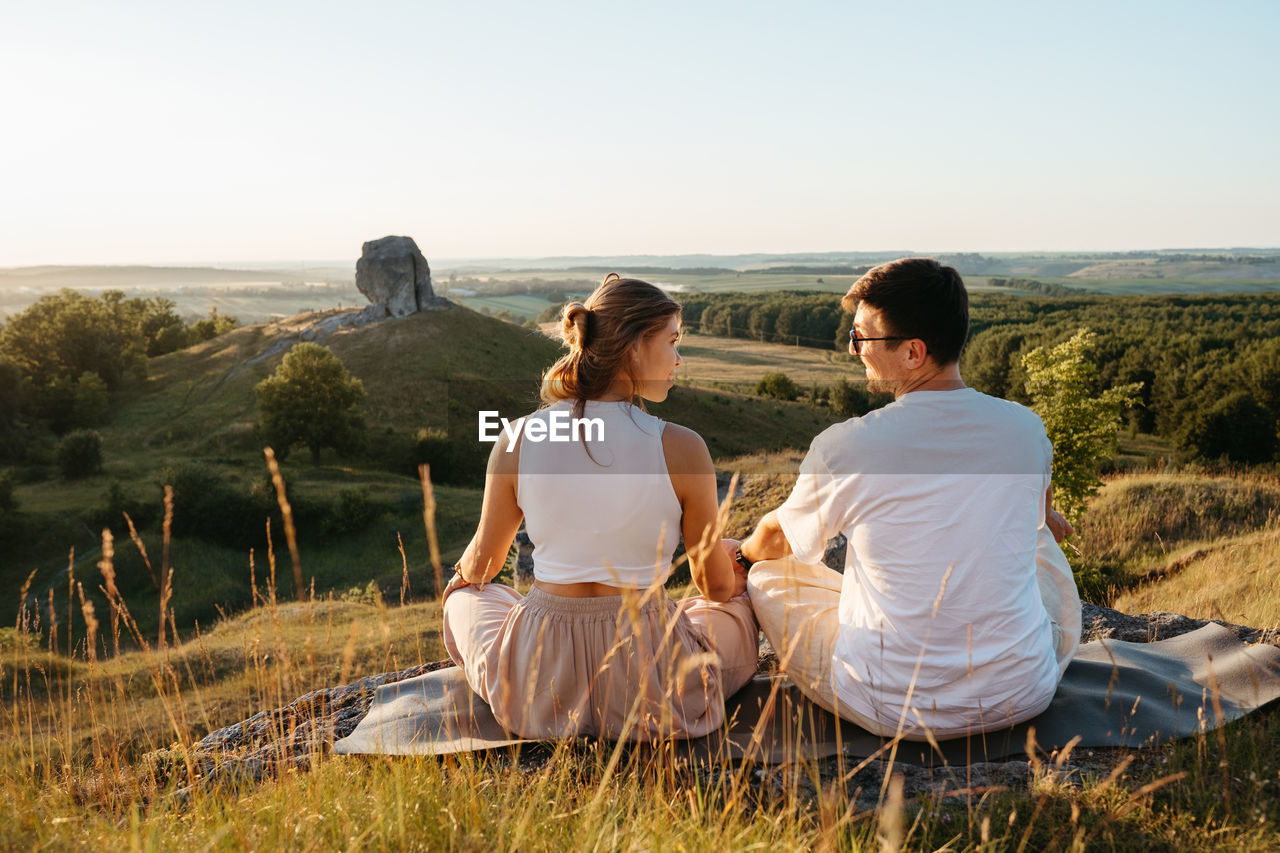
column 519, row 306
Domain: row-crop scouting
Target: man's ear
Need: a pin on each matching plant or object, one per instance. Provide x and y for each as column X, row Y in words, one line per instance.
column 917, row 353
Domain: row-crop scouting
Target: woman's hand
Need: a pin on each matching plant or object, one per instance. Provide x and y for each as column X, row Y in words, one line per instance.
column 1058, row 525
column 456, row 582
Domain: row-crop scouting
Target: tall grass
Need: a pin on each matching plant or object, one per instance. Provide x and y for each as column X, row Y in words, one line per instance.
column 95, row 751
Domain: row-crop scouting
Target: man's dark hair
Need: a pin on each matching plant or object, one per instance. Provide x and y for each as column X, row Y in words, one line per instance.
column 920, row 298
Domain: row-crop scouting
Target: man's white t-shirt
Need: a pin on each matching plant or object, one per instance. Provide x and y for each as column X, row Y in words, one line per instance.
column 941, row 496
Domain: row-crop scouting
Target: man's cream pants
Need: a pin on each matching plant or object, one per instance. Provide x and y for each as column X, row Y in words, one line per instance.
column 797, row 605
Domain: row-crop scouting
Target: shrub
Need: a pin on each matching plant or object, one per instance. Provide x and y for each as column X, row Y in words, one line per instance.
column 8, row 504
column 779, row 386
column 849, row 400
column 371, row 593
column 115, row 503
column 80, row 454
column 432, row 447
column 209, row 507
column 352, row 511
column 1081, row 427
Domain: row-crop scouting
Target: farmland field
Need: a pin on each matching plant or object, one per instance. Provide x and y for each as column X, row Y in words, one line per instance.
column 712, row 361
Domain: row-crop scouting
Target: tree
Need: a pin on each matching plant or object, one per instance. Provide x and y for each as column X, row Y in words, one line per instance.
column 210, row 327
column 161, row 327
column 311, row 400
column 1237, row 427
column 63, row 335
column 80, row 403
column 1081, row 424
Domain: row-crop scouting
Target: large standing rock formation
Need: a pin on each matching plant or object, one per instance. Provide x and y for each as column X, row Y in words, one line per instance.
column 393, row 273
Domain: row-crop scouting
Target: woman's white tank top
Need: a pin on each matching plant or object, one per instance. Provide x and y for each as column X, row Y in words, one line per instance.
column 598, row 504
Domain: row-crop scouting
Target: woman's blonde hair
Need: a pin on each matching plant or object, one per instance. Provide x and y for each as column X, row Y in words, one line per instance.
column 600, row 333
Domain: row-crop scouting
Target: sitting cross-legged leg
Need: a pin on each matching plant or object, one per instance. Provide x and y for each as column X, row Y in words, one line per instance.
column 731, row 629
column 797, row 605
column 472, row 625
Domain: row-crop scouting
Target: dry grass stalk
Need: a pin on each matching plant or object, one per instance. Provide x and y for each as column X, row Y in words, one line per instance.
column 404, row 567
column 142, row 549
column 429, row 521
column 166, row 573
column 107, row 566
column 271, row 567
column 286, row 512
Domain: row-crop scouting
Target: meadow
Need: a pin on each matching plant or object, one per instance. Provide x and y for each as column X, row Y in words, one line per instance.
column 101, row 704
column 93, row 750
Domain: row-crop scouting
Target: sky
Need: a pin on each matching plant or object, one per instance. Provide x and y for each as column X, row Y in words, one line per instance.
column 162, row 132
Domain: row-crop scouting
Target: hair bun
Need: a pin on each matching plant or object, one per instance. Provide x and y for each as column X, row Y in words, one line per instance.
column 574, row 325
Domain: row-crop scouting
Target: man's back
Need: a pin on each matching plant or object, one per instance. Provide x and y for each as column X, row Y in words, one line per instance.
column 941, row 495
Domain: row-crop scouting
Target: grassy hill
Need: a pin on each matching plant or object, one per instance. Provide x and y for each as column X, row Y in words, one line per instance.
column 195, row 413
column 91, row 749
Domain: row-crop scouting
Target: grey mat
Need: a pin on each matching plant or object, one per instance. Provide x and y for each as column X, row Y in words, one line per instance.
column 1114, row 694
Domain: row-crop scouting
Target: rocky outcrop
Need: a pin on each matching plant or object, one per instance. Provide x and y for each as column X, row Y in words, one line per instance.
column 1103, row 623
column 393, row 273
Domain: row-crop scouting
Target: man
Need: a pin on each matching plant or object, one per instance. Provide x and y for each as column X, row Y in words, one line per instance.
column 957, row 611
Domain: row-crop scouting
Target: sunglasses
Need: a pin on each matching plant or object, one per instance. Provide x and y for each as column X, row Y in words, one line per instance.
column 857, row 341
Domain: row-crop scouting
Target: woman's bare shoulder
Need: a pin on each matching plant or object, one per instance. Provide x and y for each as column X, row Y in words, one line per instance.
column 685, row 450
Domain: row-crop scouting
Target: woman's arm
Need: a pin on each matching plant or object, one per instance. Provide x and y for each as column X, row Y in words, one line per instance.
column 500, row 518
column 693, row 478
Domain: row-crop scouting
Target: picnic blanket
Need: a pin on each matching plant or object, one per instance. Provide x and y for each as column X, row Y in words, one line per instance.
column 1114, row 694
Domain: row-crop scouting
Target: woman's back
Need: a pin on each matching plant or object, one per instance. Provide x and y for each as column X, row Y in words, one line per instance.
column 600, row 506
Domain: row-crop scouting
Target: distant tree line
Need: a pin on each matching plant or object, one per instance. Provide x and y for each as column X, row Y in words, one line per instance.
column 1031, row 285
column 64, row 358
column 1208, row 366
column 799, row 317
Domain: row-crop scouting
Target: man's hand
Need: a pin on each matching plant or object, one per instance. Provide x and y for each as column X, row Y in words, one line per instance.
column 1058, row 526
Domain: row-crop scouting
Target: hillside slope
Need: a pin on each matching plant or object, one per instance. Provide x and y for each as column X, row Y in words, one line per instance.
column 197, row 411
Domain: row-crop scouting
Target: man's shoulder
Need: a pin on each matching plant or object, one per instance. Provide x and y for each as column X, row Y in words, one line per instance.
column 861, row 434
column 1000, row 407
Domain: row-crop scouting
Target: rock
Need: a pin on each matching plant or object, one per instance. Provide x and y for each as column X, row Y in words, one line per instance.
column 393, row 273
column 833, row 556
column 1103, row 623
column 524, row 560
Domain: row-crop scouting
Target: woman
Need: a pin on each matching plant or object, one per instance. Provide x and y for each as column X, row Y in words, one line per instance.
column 597, row 648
